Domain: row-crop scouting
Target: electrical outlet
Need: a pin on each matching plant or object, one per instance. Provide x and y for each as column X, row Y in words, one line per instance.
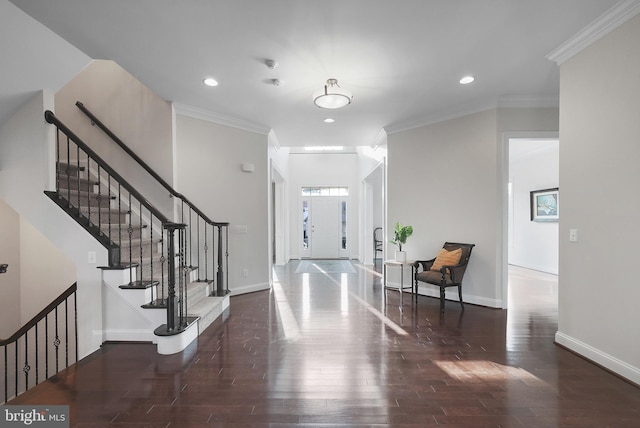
column 91, row 257
column 245, row 273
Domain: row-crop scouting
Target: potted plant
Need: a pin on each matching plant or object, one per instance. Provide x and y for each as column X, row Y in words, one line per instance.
column 400, row 235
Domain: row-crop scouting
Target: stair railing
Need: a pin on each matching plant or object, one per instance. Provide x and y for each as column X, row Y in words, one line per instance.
column 37, row 345
column 201, row 232
column 114, row 212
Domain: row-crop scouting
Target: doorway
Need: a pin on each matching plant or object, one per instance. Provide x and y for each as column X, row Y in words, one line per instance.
column 532, row 165
column 324, row 222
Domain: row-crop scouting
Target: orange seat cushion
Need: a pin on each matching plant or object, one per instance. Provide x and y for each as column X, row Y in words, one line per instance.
column 447, row 258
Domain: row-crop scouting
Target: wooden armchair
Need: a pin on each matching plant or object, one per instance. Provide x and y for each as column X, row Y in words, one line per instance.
column 445, row 270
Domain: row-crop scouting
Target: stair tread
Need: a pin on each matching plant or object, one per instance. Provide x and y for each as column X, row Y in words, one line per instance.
column 139, row 285
column 156, row 304
column 205, row 305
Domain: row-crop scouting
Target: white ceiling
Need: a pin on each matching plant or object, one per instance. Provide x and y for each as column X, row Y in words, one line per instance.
column 401, row 59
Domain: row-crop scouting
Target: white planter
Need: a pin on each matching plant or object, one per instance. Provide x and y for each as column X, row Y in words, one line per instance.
column 401, row 256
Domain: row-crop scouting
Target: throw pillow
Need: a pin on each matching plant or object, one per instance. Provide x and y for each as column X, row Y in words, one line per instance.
column 447, row 258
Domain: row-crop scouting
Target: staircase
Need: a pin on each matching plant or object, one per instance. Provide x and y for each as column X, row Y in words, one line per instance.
column 151, row 270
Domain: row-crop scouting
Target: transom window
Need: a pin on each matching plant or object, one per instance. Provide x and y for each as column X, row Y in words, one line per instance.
column 325, row 191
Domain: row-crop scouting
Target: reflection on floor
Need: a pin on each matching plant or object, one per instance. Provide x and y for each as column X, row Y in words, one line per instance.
column 328, row 350
column 533, row 303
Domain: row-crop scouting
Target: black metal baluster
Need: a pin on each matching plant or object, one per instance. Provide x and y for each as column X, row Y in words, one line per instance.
column 46, row 341
column 56, row 341
column 100, row 200
column 89, row 189
column 26, row 368
column 75, row 323
column 206, row 252
column 37, row 360
column 78, row 174
column 16, row 367
column 68, row 175
column 58, row 166
column 6, row 371
column 165, row 237
column 140, row 223
column 109, row 217
column 190, row 244
column 151, row 252
column 181, row 279
column 66, row 333
column 198, row 231
column 130, row 232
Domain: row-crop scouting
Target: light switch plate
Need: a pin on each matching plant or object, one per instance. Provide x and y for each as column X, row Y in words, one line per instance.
column 573, row 235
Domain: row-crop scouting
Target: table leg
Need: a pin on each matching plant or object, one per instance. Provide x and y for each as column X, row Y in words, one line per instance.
column 401, row 283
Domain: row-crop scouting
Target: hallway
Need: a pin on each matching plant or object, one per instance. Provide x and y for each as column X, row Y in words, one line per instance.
column 321, row 349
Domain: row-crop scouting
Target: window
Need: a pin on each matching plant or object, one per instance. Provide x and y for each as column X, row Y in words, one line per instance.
column 325, row 191
column 343, row 226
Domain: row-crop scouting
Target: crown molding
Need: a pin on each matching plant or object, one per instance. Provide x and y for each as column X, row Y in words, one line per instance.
column 609, row 21
column 206, row 115
column 436, row 118
column 380, row 139
column 273, row 139
column 528, row 102
column 502, row 102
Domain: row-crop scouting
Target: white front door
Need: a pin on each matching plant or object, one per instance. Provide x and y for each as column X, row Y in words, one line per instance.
column 325, row 228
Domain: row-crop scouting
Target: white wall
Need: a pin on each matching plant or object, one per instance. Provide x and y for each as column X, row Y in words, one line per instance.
column 600, row 182
column 323, row 170
column 447, row 180
column 27, row 168
column 209, row 159
column 441, row 180
column 10, row 280
column 279, row 176
column 139, row 117
column 533, row 245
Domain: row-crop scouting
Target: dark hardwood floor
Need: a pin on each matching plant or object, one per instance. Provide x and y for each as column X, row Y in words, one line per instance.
column 323, row 350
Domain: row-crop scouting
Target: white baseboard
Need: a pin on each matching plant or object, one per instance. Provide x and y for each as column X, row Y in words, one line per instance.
column 129, row 335
column 452, row 294
column 236, row 290
column 607, row 361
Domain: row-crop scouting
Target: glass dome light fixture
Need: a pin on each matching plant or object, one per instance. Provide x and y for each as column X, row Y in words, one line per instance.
column 332, row 96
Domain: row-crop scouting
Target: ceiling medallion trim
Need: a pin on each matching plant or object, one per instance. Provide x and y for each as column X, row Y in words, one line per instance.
column 609, row 21
column 202, row 114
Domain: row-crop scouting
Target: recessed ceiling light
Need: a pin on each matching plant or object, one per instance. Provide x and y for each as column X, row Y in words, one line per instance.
column 210, row 81
column 466, row 80
column 329, row 120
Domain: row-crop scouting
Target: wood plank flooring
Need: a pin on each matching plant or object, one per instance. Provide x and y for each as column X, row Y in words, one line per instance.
column 327, row 350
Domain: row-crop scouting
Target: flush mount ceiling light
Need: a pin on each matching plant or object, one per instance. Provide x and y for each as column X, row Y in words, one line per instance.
column 466, row 80
column 332, row 96
column 329, row 120
column 210, row 81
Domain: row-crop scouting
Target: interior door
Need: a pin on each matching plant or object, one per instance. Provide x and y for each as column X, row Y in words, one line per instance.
column 325, row 228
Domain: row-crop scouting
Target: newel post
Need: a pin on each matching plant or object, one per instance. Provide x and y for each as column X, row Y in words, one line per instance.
column 172, row 307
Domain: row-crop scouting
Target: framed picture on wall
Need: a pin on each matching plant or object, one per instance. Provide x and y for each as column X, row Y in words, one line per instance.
column 544, row 205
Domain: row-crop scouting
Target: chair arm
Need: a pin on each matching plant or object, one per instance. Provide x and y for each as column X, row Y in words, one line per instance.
column 426, row 264
column 453, row 270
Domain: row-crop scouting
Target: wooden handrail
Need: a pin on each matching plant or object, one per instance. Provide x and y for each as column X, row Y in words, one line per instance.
column 51, row 118
column 40, row 316
column 144, row 165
